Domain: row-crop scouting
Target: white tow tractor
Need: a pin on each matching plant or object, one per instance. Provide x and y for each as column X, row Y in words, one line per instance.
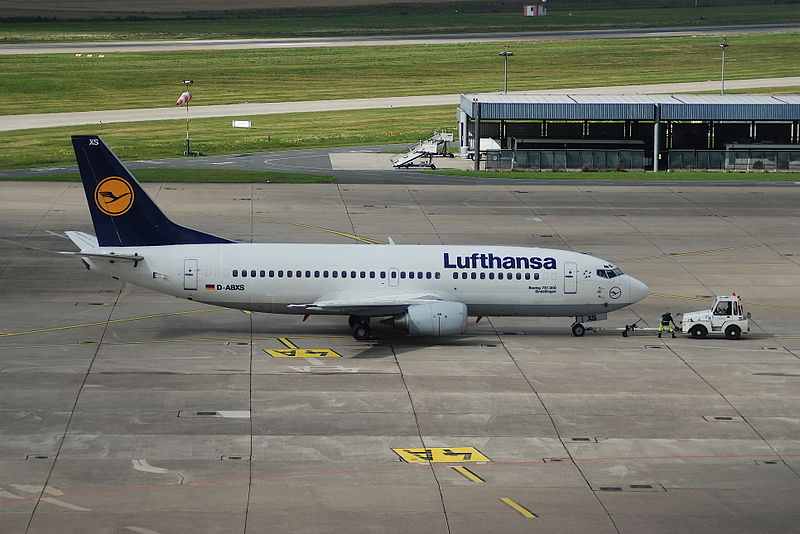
column 727, row 316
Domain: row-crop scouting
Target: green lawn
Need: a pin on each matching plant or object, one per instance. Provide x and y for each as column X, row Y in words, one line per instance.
column 637, row 176
column 49, row 83
column 164, row 139
column 448, row 19
column 196, row 176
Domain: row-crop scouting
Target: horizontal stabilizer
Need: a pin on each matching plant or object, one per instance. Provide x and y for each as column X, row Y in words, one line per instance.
column 107, row 256
column 83, row 240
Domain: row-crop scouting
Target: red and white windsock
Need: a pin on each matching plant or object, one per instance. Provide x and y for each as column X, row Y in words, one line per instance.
column 185, row 97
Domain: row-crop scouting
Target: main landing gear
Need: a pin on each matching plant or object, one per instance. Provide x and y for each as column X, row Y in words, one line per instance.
column 360, row 326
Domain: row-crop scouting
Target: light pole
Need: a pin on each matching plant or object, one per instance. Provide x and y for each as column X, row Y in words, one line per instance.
column 505, row 53
column 723, row 45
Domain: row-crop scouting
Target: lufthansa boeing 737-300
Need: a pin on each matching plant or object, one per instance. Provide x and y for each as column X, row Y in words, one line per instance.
column 427, row 290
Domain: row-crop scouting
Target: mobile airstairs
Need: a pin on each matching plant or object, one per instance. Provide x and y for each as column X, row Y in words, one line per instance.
column 436, row 145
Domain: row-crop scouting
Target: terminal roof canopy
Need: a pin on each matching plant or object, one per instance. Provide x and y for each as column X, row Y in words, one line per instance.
column 495, row 106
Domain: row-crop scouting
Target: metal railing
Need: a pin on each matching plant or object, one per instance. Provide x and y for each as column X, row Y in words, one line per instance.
column 735, row 160
column 598, row 159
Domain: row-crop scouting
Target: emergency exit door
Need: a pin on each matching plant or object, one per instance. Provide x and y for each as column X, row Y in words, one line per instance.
column 570, row 278
column 190, row 274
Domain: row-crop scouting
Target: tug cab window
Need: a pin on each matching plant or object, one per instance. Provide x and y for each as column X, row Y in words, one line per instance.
column 723, row 308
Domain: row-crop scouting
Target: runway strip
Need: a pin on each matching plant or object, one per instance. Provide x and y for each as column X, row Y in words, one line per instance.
column 52, row 120
column 378, row 40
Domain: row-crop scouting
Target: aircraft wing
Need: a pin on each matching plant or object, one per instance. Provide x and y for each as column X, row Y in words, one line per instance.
column 369, row 306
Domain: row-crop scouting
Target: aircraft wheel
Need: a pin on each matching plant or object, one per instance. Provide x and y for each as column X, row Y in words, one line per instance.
column 433, row 167
column 733, row 332
column 361, row 332
column 698, row 331
column 578, row 330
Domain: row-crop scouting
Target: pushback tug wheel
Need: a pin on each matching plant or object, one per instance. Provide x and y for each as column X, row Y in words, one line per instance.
column 733, row 332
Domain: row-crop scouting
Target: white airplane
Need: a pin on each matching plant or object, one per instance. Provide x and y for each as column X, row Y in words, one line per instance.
column 425, row 290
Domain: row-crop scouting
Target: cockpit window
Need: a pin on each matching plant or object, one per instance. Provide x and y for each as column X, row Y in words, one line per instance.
column 609, row 273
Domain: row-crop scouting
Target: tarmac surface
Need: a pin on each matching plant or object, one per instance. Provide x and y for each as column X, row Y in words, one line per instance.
column 123, row 410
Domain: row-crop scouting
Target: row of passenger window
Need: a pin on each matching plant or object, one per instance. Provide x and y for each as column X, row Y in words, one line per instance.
column 280, row 273
column 492, row 276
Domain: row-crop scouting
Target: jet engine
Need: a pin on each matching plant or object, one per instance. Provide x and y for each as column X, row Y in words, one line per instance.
column 435, row 319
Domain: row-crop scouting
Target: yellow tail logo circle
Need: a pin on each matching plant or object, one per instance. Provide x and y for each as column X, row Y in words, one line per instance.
column 113, row 196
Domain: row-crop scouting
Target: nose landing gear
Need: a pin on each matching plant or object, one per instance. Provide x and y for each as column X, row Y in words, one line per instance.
column 578, row 330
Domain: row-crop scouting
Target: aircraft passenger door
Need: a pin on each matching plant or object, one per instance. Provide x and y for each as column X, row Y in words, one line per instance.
column 190, row 274
column 570, row 278
column 394, row 277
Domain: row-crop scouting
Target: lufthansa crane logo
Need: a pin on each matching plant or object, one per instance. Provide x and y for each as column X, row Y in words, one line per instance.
column 113, row 196
column 615, row 292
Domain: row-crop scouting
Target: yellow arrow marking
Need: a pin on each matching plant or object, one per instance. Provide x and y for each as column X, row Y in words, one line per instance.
column 302, row 353
column 521, row 509
column 441, row 455
column 285, row 341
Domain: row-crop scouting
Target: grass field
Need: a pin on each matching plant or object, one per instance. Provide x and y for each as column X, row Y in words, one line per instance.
column 688, row 176
column 196, row 176
column 447, row 20
column 160, row 139
column 49, row 83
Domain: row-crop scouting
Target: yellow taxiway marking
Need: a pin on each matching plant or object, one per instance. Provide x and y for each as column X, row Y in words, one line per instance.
column 746, row 303
column 293, row 351
column 711, row 251
column 441, row 455
column 367, row 240
column 468, row 474
column 112, row 321
column 148, row 341
column 519, row 508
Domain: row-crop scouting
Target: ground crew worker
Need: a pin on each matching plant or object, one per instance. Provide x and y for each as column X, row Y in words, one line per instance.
column 667, row 322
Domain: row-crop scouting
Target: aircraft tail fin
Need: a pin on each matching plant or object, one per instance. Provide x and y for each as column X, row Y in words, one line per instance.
column 122, row 212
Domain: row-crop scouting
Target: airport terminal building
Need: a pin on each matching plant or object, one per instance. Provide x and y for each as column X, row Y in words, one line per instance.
column 650, row 132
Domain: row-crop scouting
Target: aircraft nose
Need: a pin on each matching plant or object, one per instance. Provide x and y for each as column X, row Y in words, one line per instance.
column 639, row 290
